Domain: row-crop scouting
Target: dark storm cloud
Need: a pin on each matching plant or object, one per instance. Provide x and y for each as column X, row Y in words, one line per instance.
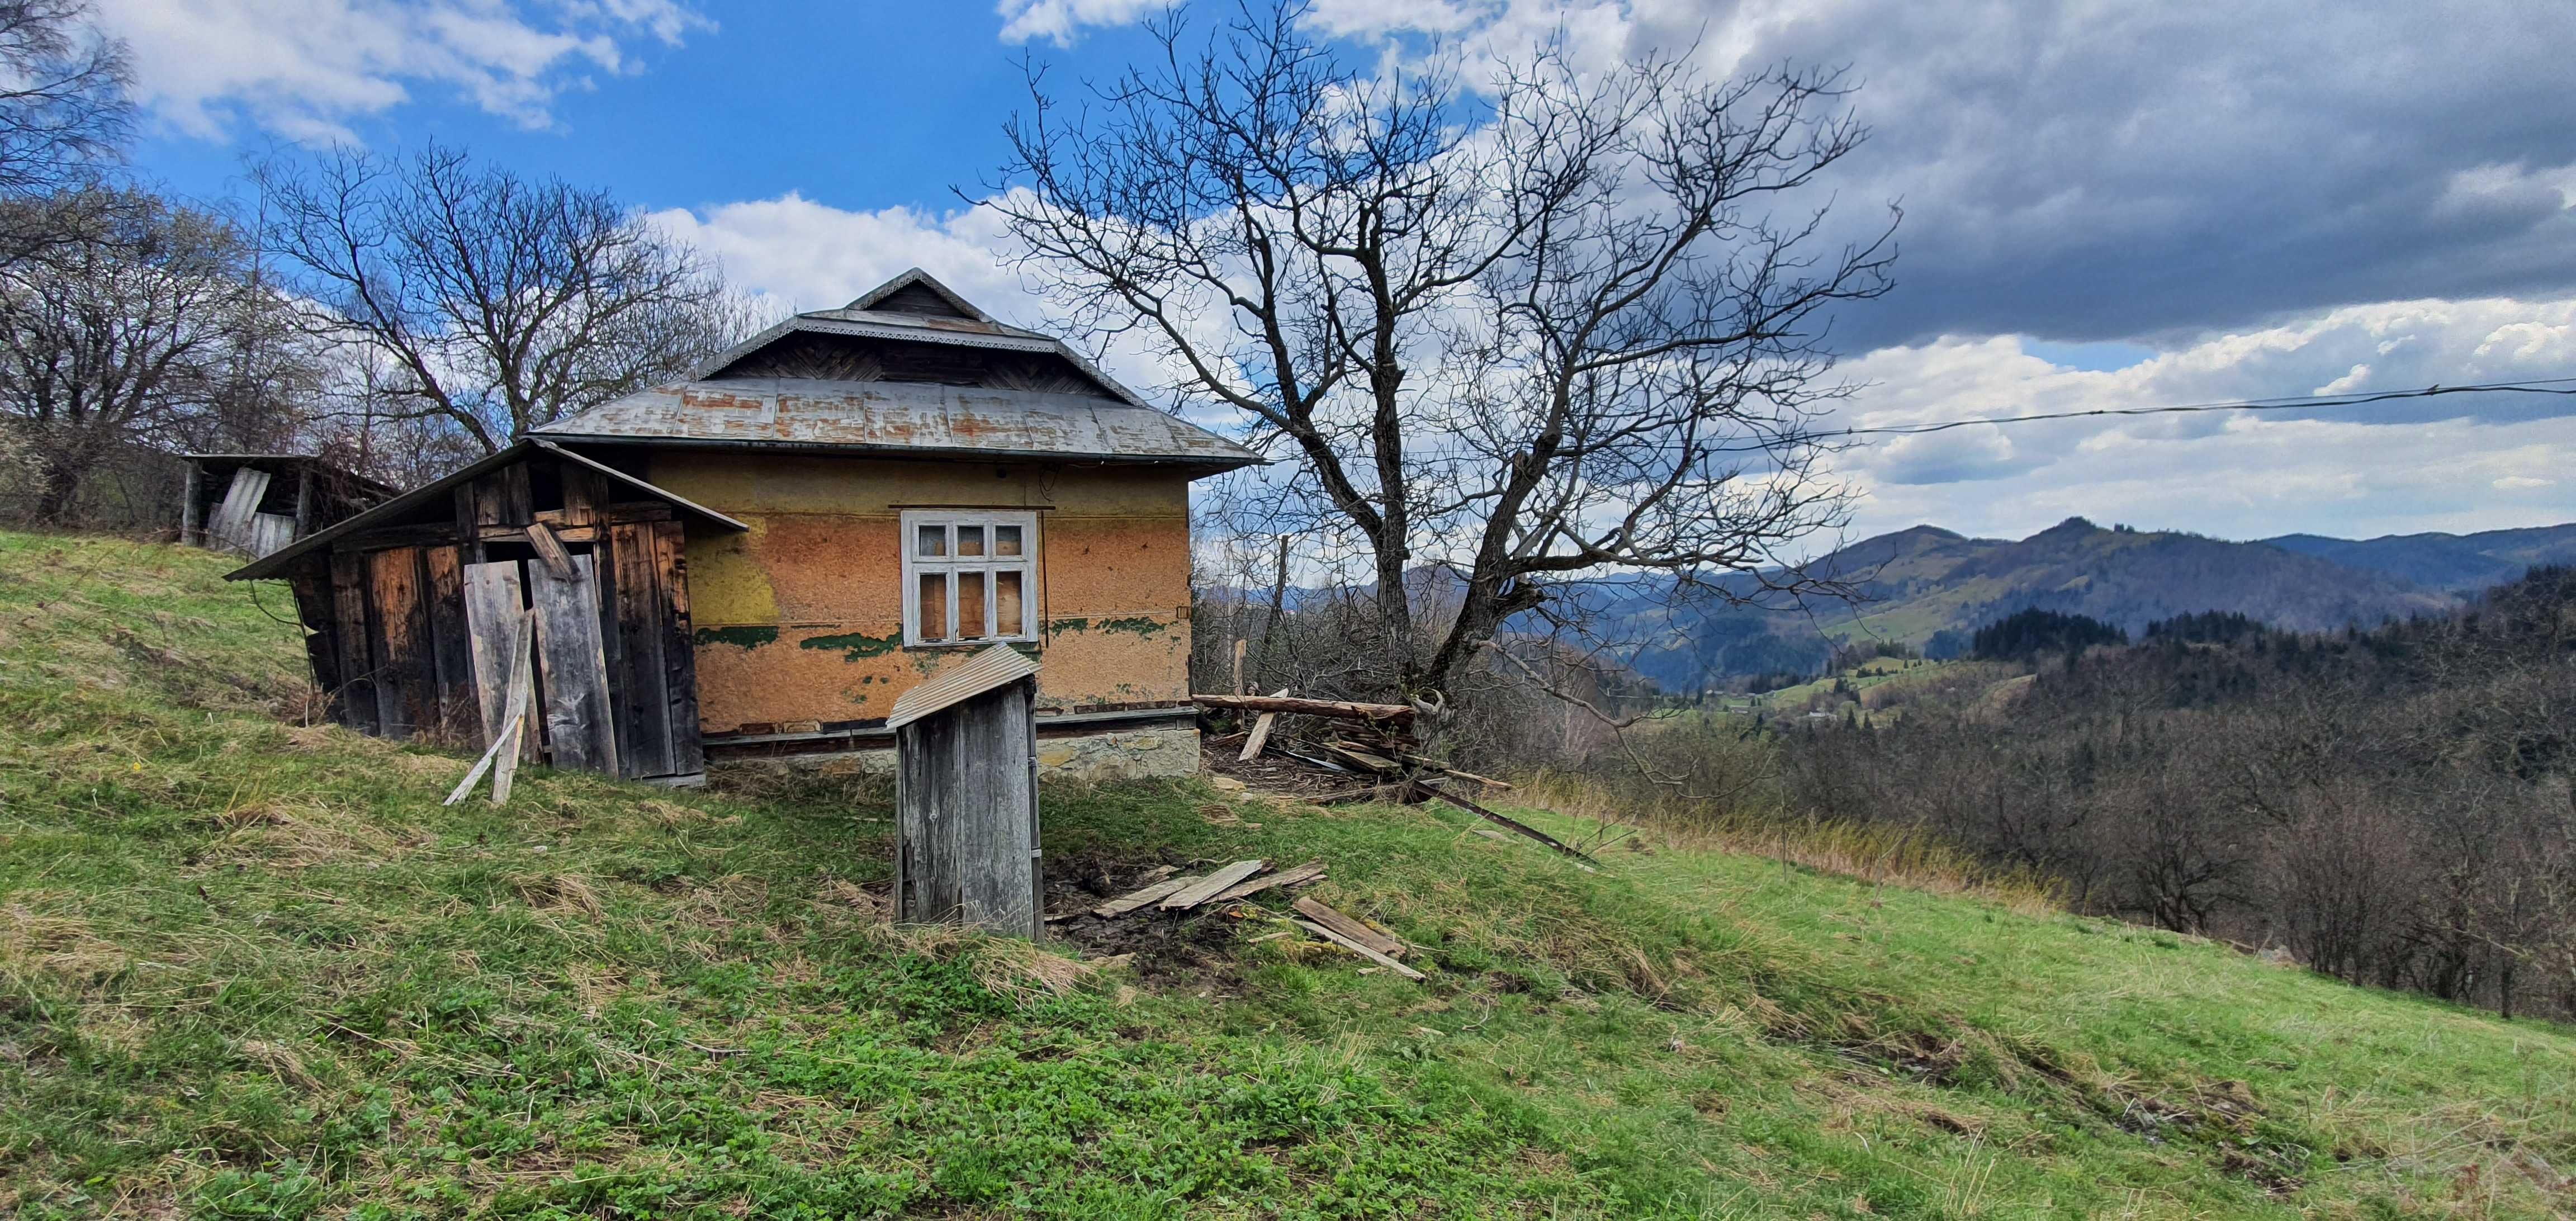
column 2111, row 171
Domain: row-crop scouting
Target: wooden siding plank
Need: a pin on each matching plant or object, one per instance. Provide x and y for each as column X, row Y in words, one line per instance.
column 584, row 492
column 406, row 692
column 580, row 728
column 310, row 580
column 679, row 650
column 460, row 713
column 549, row 548
column 353, row 627
column 643, row 707
column 494, row 606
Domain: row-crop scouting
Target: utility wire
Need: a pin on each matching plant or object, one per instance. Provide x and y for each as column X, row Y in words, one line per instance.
column 2309, row 402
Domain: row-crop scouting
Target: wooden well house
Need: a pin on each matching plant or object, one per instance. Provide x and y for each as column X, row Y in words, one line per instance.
column 829, row 515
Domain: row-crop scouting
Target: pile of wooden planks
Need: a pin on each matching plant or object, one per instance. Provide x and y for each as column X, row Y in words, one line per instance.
column 1164, row 892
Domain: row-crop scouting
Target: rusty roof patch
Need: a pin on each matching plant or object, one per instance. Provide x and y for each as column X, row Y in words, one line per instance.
column 794, row 413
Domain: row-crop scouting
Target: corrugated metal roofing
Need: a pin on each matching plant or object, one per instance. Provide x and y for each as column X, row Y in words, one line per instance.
column 998, row 666
column 795, row 413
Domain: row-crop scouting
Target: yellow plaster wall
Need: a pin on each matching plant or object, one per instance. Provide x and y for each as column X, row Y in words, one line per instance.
column 801, row 619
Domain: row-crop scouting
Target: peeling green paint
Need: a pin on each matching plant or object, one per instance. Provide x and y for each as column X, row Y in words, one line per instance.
column 855, row 646
column 1069, row 625
column 1028, row 649
column 1142, row 627
column 738, row 637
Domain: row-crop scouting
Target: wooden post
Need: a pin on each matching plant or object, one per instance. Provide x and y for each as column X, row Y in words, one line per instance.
column 303, row 501
column 192, row 508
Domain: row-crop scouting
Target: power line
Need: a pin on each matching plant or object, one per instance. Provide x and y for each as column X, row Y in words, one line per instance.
column 2309, row 402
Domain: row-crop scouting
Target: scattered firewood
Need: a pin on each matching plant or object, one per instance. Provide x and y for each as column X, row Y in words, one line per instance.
column 1446, row 770
column 1354, row 946
column 1353, row 754
column 1346, row 709
column 1298, row 876
column 1260, row 736
column 1513, row 824
column 1208, row 887
column 1126, row 903
column 1348, row 927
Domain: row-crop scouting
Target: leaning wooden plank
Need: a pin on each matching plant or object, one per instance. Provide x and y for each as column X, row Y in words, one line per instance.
column 579, row 726
column 1298, row 876
column 505, row 740
column 1364, row 951
column 1260, row 724
column 523, row 694
column 494, row 609
column 1349, row 927
column 550, row 549
column 1305, row 707
column 1444, row 769
column 1129, row 902
column 1211, row 886
column 1583, row 862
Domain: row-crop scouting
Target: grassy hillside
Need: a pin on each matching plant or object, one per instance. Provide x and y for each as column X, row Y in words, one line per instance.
column 254, row 969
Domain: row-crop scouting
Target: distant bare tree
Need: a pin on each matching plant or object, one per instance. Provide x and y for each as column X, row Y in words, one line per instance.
column 111, row 343
column 497, row 302
column 63, row 111
column 1518, row 336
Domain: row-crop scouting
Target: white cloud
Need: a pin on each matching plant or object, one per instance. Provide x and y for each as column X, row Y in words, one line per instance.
column 1059, row 20
column 2395, row 467
column 305, row 68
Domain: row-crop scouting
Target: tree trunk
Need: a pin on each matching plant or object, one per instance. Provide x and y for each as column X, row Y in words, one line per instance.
column 62, row 480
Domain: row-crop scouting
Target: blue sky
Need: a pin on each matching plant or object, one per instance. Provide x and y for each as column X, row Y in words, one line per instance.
column 2107, row 205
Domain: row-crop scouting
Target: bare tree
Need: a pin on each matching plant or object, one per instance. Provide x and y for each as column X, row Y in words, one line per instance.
column 111, row 343
column 497, row 302
column 1513, row 337
column 63, row 111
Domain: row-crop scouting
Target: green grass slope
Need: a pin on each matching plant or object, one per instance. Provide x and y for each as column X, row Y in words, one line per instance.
column 254, row 969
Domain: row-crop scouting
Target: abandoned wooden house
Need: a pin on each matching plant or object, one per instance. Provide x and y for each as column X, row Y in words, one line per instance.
column 828, row 515
column 257, row 503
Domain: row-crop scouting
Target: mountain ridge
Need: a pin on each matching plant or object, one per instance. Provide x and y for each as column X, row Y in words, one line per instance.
column 1928, row 587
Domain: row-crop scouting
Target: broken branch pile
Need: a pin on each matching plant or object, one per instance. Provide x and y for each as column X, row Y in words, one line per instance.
column 1163, row 893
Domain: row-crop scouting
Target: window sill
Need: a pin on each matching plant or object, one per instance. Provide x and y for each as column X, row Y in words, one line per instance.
column 942, row 645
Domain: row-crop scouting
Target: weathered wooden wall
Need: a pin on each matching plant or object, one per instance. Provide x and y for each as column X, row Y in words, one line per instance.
column 799, row 623
column 966, row 815
column 394, row 612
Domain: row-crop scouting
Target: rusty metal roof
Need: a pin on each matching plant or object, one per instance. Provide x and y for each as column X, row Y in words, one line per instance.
column 900, row 417
column 717, row 409
column 998, row 666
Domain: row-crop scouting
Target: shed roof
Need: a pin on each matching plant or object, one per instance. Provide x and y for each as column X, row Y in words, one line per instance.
column 718, row 408
column 434, row 494
column 998, row 666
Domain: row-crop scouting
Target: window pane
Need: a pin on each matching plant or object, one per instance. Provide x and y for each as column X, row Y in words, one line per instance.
column 933, row 606
column 1006, row 540
column 1006, row 601
column 970, row 540
column 970, row 603
column 931, row 543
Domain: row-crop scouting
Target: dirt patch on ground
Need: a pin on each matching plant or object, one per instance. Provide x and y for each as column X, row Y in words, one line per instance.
column 1173, row 951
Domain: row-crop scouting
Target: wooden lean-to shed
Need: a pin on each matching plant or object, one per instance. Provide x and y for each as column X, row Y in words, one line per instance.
column 410, row 611
column 966, row 796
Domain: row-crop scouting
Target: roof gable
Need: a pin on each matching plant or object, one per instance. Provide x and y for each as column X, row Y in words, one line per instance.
column 917, row 292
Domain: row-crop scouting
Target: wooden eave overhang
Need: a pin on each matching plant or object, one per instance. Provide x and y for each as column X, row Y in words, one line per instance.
column 393, row 511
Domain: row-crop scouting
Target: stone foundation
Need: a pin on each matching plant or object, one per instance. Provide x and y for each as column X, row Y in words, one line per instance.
column 1133, row 755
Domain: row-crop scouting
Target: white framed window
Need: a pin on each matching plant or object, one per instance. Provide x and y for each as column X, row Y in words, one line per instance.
column 969, row 576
